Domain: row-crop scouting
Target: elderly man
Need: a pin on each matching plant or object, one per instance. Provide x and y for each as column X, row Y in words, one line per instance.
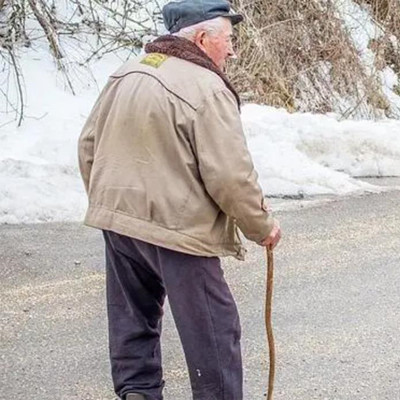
column 170, row 180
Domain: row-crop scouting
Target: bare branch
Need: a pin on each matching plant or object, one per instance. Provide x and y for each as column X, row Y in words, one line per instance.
column 48, row 30
column 19, row 85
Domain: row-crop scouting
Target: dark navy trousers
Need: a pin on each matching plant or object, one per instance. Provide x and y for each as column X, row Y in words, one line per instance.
column 139, row 277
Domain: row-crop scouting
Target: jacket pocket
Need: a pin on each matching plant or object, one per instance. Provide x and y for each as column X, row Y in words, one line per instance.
column 126, row 200
column 146, row 205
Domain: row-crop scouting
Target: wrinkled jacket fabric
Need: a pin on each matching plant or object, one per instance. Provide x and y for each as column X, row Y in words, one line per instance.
column 164, row 159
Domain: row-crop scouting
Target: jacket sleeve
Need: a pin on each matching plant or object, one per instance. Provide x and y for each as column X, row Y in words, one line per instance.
column 86, row 145
column 226, row 166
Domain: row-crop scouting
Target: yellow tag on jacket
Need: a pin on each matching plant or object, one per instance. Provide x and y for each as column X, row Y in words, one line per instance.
column 154, row 59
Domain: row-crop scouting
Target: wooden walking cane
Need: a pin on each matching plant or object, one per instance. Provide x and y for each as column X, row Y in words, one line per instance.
column 268, row 323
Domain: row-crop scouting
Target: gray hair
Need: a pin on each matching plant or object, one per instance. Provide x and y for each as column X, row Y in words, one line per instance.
column 212, row 26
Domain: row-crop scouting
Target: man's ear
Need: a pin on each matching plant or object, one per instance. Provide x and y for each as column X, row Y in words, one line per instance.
column 200, row 38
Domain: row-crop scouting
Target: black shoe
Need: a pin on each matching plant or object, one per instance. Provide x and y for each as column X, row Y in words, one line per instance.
column 134, row 396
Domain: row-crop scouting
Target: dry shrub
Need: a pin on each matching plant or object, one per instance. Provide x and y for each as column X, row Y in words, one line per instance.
column 296, row 54
column 387, row 14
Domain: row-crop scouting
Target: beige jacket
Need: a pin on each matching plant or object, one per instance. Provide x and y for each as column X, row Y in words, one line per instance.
column 164, row 159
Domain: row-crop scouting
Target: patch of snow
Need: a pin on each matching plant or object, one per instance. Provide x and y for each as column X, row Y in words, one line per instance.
column 311, row 154
column 363, row 29
column 390, row 82
column 39, row 177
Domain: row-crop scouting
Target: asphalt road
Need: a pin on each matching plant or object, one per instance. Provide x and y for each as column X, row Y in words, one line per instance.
column 336, row 309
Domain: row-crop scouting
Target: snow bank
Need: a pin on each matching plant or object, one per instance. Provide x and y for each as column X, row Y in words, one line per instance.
column 306, row 154
column 39, row 176
column 294, row 153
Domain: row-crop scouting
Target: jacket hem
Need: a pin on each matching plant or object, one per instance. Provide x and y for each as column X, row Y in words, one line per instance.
column 102, row 218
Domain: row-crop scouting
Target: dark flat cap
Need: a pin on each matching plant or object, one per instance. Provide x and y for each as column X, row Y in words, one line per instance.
column 179, row 14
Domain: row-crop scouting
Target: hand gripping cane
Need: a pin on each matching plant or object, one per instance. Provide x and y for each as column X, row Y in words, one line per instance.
column 268, row 323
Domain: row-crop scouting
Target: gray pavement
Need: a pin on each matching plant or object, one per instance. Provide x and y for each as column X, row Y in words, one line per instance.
column 336, row 309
